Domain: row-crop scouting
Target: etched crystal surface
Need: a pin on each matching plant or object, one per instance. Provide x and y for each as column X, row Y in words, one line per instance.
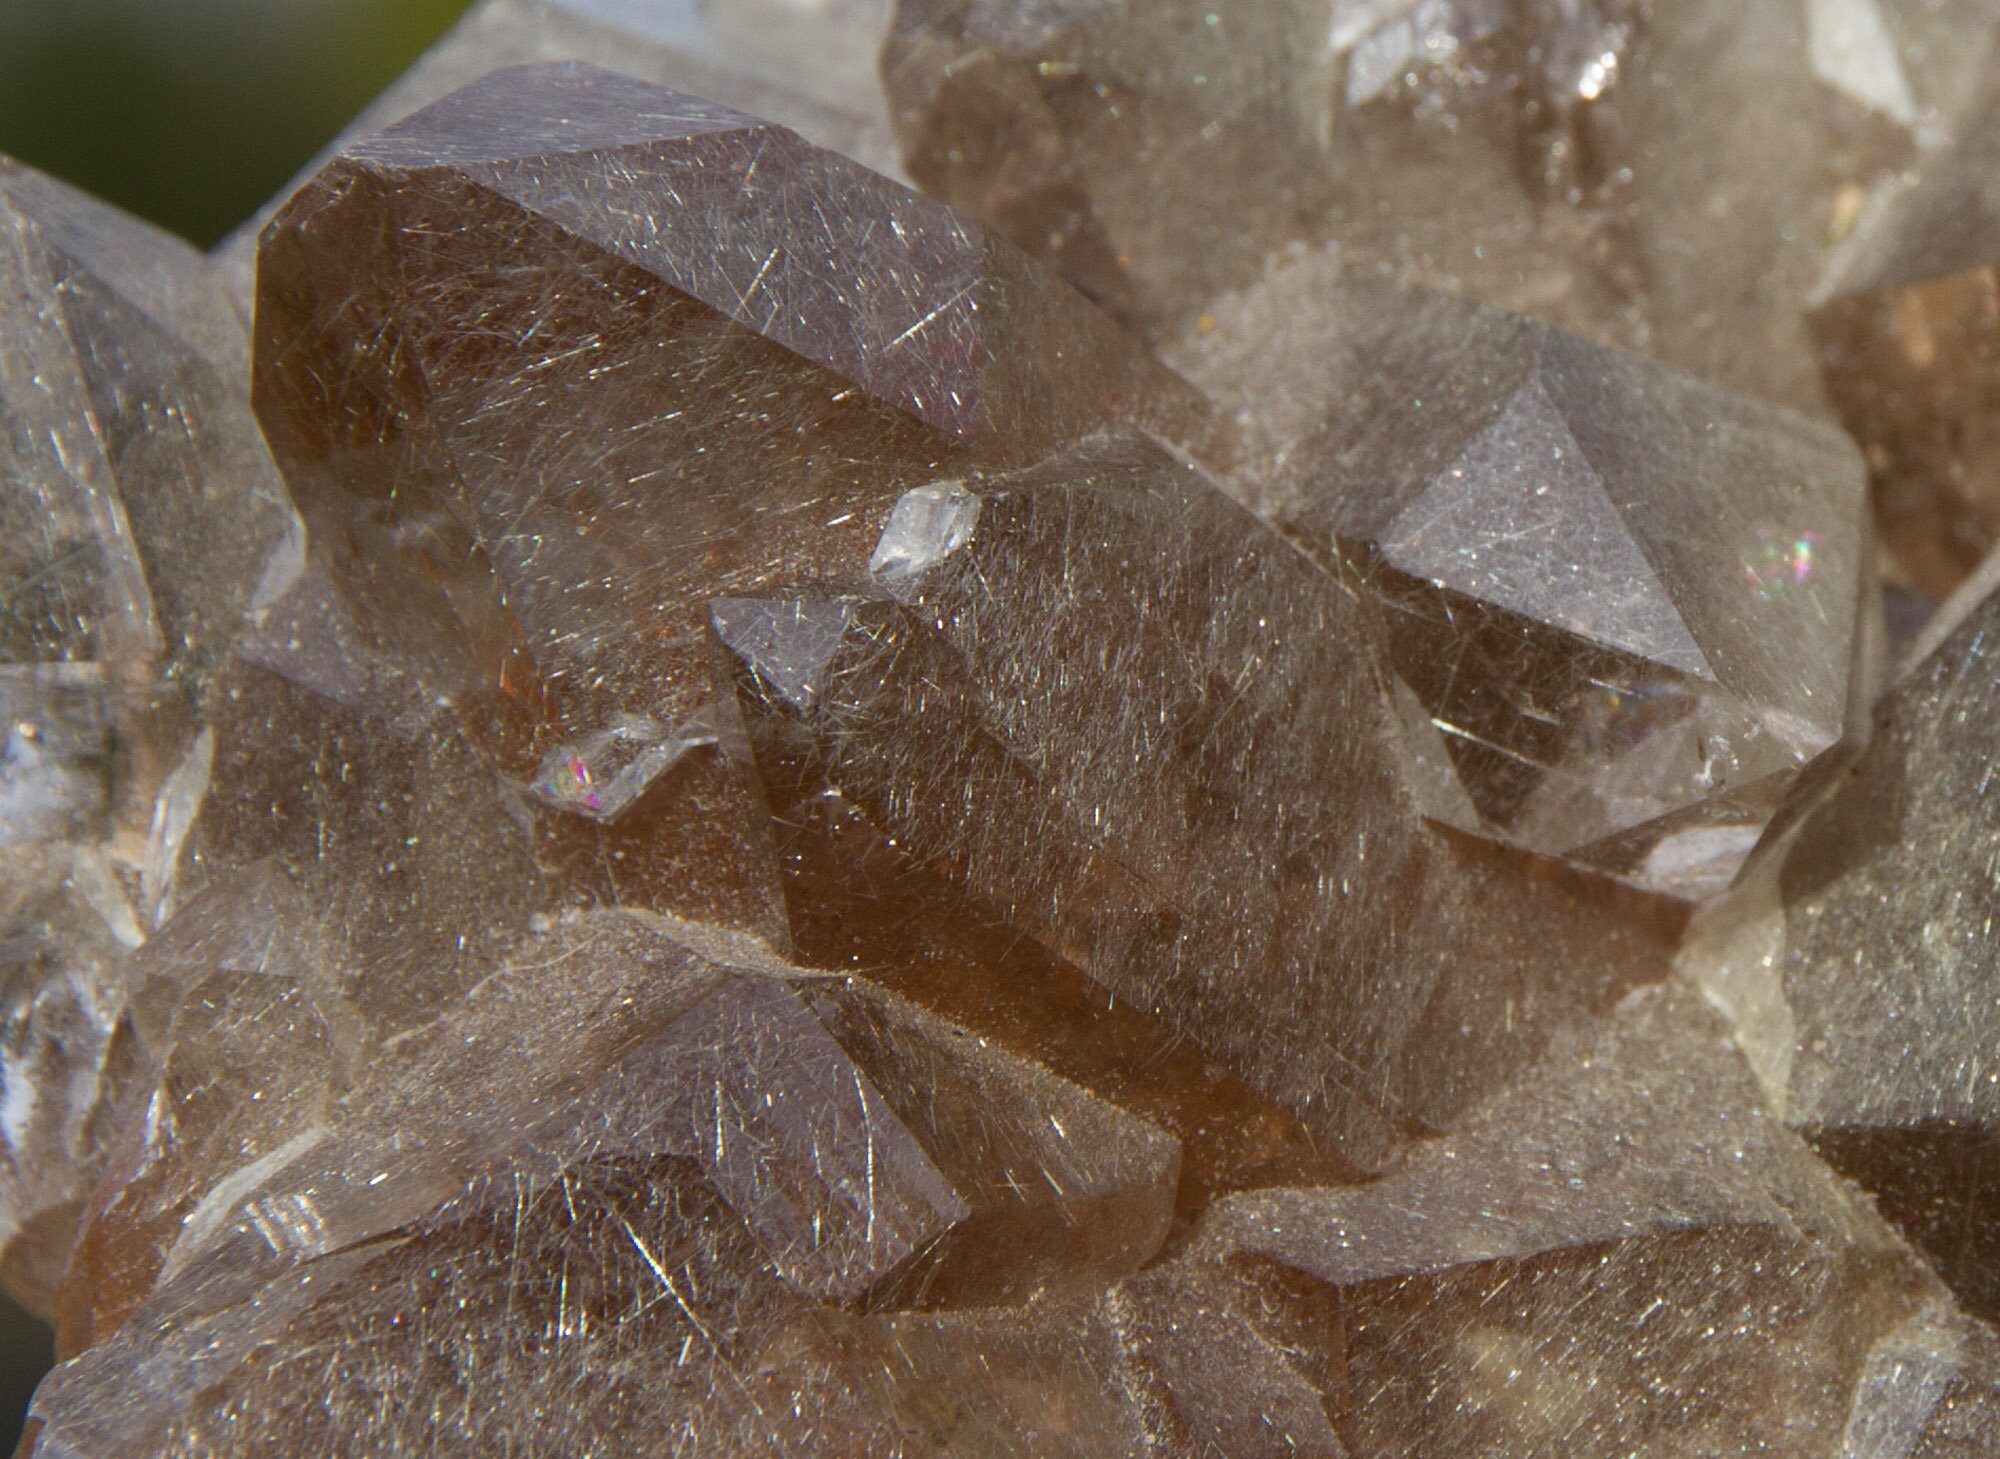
column 1617, row 610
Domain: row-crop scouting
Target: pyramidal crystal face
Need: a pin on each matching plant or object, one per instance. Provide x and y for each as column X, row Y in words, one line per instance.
column 1193, row 851
column 1617, row 612
column 810, row 67
column 658, row 255
column 816, row 849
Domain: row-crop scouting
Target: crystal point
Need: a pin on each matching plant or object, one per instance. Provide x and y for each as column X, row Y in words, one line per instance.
column 1864, row 936
column 1591, row 573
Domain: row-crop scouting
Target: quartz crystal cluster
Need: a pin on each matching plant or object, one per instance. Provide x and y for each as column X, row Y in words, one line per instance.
column 1085, row 728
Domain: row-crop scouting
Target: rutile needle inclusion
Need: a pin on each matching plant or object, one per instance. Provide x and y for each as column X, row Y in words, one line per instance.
column 1230, row 834
column 799, row 63
column 1617, row 611
column 1632, row 1185
column 747, row 828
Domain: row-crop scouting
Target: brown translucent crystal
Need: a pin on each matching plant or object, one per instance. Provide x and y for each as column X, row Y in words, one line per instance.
column 137, row 512
column 1860, row 962
column 1908, row 331
column 1112, row 705
column 542, row 458
column 810, row 68
column 549, row 411
column 1664, row 177
column 1037, row 118
column 1616, row 610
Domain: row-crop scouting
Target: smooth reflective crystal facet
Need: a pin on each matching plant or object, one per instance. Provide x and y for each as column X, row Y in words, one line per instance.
column 1180, row 707
column 1907, row 337
column 1864, row 962
column 138, row 510
column 1617, row 610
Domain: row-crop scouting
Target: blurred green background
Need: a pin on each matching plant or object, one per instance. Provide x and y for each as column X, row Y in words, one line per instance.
column 191, row 113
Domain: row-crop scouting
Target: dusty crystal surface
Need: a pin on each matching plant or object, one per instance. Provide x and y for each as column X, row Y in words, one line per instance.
column 1617, row 610
column 1664, row 177
column 806, row 846
column 141, row 513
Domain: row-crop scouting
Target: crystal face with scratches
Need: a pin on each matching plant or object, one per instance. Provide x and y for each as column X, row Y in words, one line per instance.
column 1228, row 836
column 1751, row 1289
column 807, row 67
column 701, row 267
